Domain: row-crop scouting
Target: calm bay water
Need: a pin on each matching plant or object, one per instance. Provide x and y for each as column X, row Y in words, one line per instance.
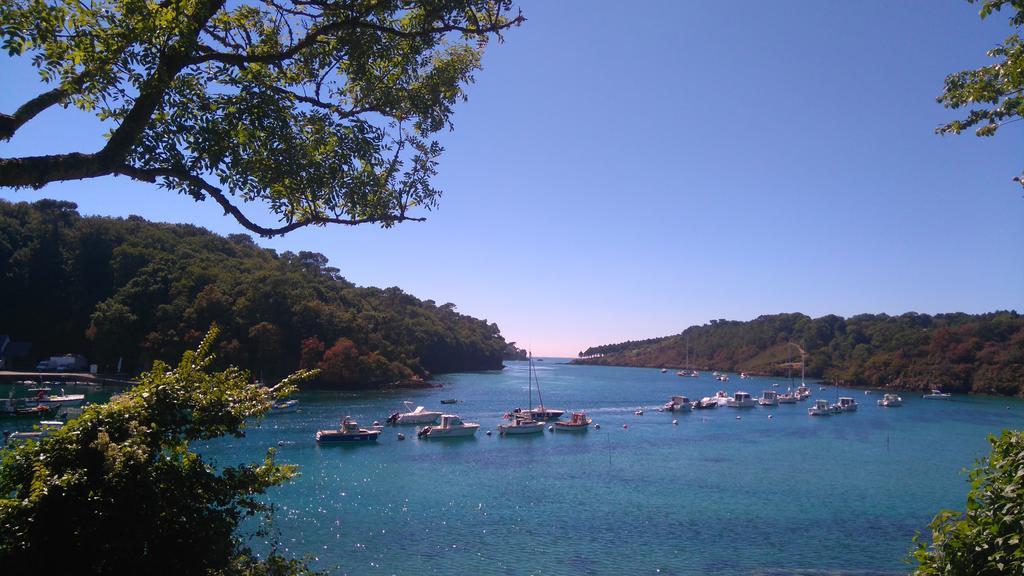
column 711, row 495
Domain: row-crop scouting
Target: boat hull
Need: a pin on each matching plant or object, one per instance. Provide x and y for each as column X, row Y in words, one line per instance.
column 418, row 418
column 335, row 437
column 566, row 427
column 459, row 432
column 532, row 428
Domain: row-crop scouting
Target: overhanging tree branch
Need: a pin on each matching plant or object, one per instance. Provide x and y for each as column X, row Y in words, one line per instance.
column 196, row 183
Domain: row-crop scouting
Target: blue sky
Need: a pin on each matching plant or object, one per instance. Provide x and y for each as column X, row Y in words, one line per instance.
column 624, row 170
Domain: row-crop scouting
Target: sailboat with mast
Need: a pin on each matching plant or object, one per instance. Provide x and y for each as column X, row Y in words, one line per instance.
column 687, row 371
column 522, row 421
column 540, row 413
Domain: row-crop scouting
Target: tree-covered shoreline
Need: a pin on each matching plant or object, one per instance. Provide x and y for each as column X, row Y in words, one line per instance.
column 140, row 291
column 974, row 353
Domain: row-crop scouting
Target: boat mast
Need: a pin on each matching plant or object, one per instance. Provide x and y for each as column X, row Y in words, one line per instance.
column 540, row 398
column 531, row 381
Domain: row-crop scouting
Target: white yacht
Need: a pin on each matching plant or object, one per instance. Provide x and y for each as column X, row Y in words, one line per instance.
column 803, row 392
column 42, row 398
column 787, row 398
column 891, row 401
column 741, row 400
column 847, row 404
column 821, row 408
column 418, row 416
column 937, row 395
column 769, row 398
column 451, row 426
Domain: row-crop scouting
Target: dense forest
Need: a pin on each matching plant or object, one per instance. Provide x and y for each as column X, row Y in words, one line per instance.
column 136, row 291
column 982, row 353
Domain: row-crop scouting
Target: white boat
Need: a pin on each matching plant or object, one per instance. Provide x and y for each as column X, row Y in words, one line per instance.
column 937, row 395
column 891, row 401
column 741, row 400
column 44, row 429
column 721, row 398
column 349, row 431
column 769, row 398
column 787, row 398
column 847, row 404
column 803, row 393
column 522, row 420
column 540, row 413
column 663, row 370
column 284, row 406
column 678, row 404
column 60, row 400
column 521, row 426
column 451, row 426
column 418, row 416
column 821, row 408
column 744, row 375
column 579, row 422
column 705, row 403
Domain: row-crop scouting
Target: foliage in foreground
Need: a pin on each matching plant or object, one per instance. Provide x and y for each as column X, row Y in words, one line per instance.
column 987, row 539
column 118, row 491
column 994, row 94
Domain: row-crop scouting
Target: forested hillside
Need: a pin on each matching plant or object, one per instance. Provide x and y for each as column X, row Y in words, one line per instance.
column 959, row 352
column 137, row 290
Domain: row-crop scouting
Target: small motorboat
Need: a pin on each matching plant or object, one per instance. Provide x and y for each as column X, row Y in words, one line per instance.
column 22, row 407
column 803, row 392
column 891, row 401
column 43, row 398
column 663, row 370
column 521, row 425
column 678, row 404
column 451, row 426
column 744, row 375
column 821, row 408
column 44, row 429
column 787, row 398
column 284, row 406
column 769, row 398
column 449, row 401
column 741, row 400
column 937, row 395
column 579, row 421
column 349, row 431
column 418, row 416
column 847, row 404
column 705, row 404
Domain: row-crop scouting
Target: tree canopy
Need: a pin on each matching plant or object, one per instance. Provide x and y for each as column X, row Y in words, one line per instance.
column 139, row 291
column 981, row 353
column 118, row 490
column 321, row 110
column 994, row 93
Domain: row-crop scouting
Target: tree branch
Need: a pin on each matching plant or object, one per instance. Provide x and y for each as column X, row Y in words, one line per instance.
column 313, row 36
column 151, row 174
column 10, row 123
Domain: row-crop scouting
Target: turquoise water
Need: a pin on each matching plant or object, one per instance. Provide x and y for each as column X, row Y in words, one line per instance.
column 711, row 495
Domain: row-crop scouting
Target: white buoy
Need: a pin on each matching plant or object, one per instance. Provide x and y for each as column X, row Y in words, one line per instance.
column 376, row 422
column 551, row 428
column 488, row 432
column 674, row 422
column 625, row 426
column 598, row 426
column 401, row 436
column 770, row 416
column 739, row 417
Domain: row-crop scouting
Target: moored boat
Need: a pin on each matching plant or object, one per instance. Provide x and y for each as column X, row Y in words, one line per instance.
column 451, row 426
column 937, row 394
column 43, row 398
column 521, row 425
column 678, row 404
column 741, row 400
column 705, row 404
column 769, row 398
column 821, row 408
column 419, row 415
column 847, row 404
column 578, row 422
column 891, row 401
column 349, row 431
column 284, row 406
